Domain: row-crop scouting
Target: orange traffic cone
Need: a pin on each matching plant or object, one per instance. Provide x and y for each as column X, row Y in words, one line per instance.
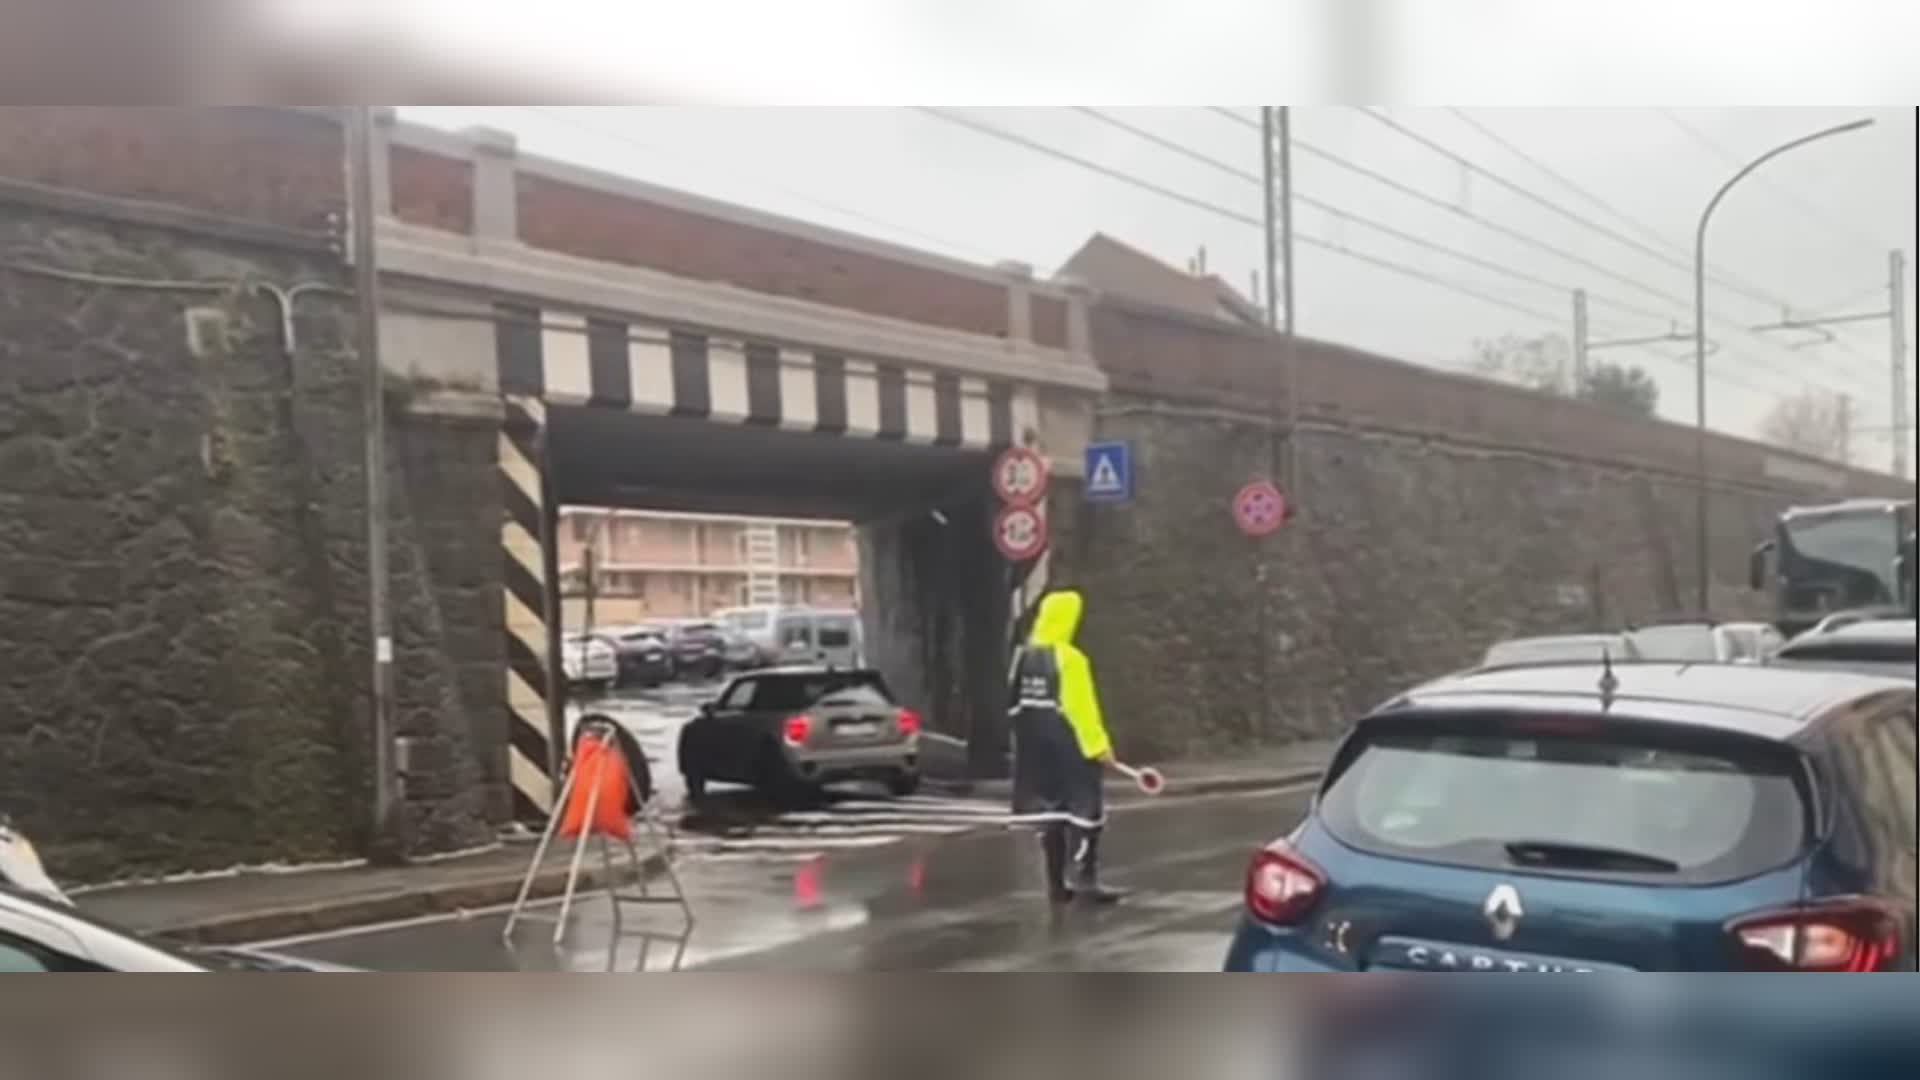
column 600, row 801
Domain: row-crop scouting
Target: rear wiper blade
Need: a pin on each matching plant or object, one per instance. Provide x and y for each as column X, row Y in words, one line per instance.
column 1555, row 854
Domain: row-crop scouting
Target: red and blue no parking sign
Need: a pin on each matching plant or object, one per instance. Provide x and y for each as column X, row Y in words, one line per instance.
column 1259, row 509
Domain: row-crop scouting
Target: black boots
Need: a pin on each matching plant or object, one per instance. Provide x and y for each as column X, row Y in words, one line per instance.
column 1086, row 865
column 1087, row 862
column 1053, row 845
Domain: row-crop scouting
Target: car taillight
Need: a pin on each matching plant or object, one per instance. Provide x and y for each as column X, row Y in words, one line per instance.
column 909, row 722
column 1851, row 935
column 797, row 729
column 1282, row 886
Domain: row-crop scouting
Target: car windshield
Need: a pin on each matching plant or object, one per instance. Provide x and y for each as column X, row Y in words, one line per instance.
column 796, row 692
column 1679, row 644
column 1555, row 650
column 1711, row 813
column 1842, row 559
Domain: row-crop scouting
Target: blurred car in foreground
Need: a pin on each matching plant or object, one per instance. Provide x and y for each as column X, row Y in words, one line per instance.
column 1754, row 1029
column 1872, row 646
column 789, row 729
column 1558, row 649
column 1586, row 818
column 42, row 933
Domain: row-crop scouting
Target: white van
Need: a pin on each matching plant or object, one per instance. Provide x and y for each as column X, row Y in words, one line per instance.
column 755, row 622
column 815, row 636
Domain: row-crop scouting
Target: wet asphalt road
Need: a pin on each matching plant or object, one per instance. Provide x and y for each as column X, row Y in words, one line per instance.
column 961, row 899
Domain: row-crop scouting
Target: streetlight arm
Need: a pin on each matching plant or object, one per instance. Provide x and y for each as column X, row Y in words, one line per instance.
column 1700, row 341
column 1712, row 204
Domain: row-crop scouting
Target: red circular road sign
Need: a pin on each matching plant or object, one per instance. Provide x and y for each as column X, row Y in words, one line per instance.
column 1020, row 477
column 1020, row 533
column 1259, row 509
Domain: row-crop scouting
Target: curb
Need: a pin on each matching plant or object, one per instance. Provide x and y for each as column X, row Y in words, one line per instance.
column 1204, row 785
column 352, row 911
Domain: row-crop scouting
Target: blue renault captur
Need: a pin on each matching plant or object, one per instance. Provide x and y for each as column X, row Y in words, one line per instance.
column 1597, row 817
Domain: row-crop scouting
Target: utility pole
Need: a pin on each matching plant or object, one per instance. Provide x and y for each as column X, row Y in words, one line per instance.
column 1579, row 340
column 386, row 841
column 1843, row 426
column 1896, row 316
column 1269, row 208
column 1902, row 404
column 1288, row 342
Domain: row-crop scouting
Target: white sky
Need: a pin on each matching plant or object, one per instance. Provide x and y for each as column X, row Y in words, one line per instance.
column 1812, row 229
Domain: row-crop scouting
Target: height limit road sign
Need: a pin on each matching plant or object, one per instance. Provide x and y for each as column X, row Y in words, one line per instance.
column 1020, row 477
column 1020, row 533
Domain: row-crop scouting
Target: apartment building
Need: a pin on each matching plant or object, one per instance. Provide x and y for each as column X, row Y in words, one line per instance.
column 651, row 564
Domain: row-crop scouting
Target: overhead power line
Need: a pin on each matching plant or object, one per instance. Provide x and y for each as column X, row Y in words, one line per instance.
column 1226, row 212
column 1532, row 196
column 1517, row 236
column 1457, row 210
column 1780, row 191
column 1322, row 205
column 1653, row 235
column 1244, row 218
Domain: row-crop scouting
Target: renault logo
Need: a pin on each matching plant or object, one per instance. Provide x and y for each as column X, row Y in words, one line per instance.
column 1503, row 911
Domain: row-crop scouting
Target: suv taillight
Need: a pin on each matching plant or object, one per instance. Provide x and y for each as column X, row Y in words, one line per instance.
column 908, row 722
column 1282, row 886
column 797, row 729
column 1849, row 935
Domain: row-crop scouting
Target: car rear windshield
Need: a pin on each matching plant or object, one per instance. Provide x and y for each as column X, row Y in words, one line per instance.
column 1554, row 651
column 1676, row 644
column 796, row 692
column 835, row 635
column 1572, row 801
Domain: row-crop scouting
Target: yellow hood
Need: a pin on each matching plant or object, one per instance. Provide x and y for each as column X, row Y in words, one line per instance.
column 1058, row 620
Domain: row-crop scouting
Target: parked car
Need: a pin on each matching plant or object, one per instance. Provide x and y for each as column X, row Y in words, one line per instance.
column 1874, row 646
column 738, row 650
column 1558, row 649
column 1585, row 818
column 790, row 729
column 589, row 661
column 1753, row 642
column 829, row 638
column 755, row 622
column 641, row 655
column 698, row 649
column 1838, row 619
column 1705, row 642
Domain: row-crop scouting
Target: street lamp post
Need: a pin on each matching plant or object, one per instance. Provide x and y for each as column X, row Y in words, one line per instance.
column 1701, row 558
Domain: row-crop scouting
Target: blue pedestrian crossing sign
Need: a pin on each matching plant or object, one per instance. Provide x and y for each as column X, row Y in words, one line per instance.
column 1109, row 476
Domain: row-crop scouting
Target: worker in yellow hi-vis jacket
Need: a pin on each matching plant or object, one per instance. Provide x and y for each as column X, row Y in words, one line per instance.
column 1060, row 746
